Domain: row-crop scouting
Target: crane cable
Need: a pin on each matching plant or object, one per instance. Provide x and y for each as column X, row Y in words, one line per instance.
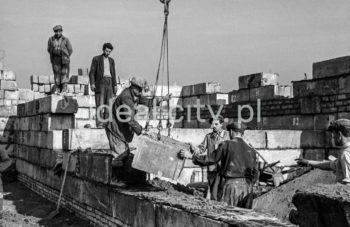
column 163, row 62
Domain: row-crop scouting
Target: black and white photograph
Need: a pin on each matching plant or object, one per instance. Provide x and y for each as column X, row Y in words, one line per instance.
column 174, row 113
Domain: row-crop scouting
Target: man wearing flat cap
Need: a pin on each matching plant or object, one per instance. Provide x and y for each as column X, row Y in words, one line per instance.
column 121, row 129
column 60, row 50
column 103, row 81
column 340, row 130
column 238, row 169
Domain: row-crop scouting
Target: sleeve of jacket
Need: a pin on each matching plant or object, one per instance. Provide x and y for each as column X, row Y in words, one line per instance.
column 135, row 126
column 213, row 158
column 69, row 47
column 49, row 46
column 92, row 72
column 114, row 77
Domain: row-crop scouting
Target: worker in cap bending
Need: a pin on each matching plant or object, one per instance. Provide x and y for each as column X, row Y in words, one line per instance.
column 210, row 143
column 238, row 169
column 121, row 129
column 60, row 50
column 340, row 130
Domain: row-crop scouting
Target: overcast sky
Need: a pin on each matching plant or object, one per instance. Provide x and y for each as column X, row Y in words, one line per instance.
column 209, row 40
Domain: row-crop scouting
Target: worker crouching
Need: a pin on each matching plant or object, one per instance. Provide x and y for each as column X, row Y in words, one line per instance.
column 238, row 170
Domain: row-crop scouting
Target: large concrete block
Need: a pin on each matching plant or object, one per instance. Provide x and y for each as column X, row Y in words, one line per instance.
column 81, row 123
column 8, row 85
column 257, row 80
column 332, row 67
column 310, row 105
column 7, row 75
column 285, row 139
column 58, row 104
column 95, row 166
column 344, row 84
column 124, row 207
column 48, row 122
column 315, row 154
column 285, row 156
column 25, row 94
column 11, row 94
column 200, row 89
column 6, row 111
column 95, row 139
column 79, row 80
column 256, row 138
column 85, row 101
column 2, row 94
column 98, row 196
column 35, row 87
column 323, row 121
column 34, row 79
column 83, row 113
column 294, row 122
column 263, row 93
column 48, row 157
column 44, row 80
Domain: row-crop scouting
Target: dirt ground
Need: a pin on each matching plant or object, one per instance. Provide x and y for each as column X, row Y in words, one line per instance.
column 278, row 201
column 23, row 207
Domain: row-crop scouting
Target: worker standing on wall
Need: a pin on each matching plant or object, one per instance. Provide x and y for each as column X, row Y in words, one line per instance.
column 5, row 162
column 60, row 50
column 238, row 168
column 121, row 129
column 340, row 130
column 210, row 143
column 103, row 81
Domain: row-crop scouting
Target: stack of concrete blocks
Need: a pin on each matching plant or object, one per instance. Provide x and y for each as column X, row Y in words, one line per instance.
column 262, row 86
column 45, row 85
column 201, row 95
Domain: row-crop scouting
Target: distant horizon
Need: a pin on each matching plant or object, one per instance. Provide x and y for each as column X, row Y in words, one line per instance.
column 210, row 41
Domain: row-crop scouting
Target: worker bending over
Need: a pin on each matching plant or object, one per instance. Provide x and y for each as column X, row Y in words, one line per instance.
column 210, row 143
column 120, row 130
column 341, row 166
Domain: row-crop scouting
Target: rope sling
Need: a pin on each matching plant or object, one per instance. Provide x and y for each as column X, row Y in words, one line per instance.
column 163, row 66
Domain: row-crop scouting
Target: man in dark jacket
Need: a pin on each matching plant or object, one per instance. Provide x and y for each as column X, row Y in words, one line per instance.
column 103, row 81
column 120, row 131
column 238, row 168
column 60, row 50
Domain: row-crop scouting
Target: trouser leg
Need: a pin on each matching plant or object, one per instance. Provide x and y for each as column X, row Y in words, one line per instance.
column 99, row 112
column 236, row 192
column 64, row 77
column 108, row 97
column 56, row 67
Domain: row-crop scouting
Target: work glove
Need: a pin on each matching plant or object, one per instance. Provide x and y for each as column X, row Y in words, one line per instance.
column 93, row 87
column 302, row 162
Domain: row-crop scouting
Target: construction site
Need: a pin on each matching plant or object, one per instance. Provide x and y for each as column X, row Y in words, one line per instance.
column 284, row 123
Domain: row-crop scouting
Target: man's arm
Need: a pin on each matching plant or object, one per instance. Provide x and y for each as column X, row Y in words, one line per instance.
column 324, row 165
column 345, row 165
column 69, row 47
column 49, row 46
column 135, row 126
column 92, row 73
column 213, row 158
column 5, row 160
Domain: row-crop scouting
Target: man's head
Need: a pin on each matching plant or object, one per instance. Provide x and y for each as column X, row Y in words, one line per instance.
column 340, row 131
column 107, row 49
column 236, row 130
column 58, row 31
column 217, row 123
column 137, row 85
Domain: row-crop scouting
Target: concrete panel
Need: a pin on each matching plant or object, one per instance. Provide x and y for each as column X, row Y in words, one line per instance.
column 95, row 139
column 8, row 85
column 257, row 80
column 58, row 104
column 315, row 154
column 43, row 79
column 11, row 94
column 285, row 156
column 256, row 138
column 8, row 75
column 332, row 67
